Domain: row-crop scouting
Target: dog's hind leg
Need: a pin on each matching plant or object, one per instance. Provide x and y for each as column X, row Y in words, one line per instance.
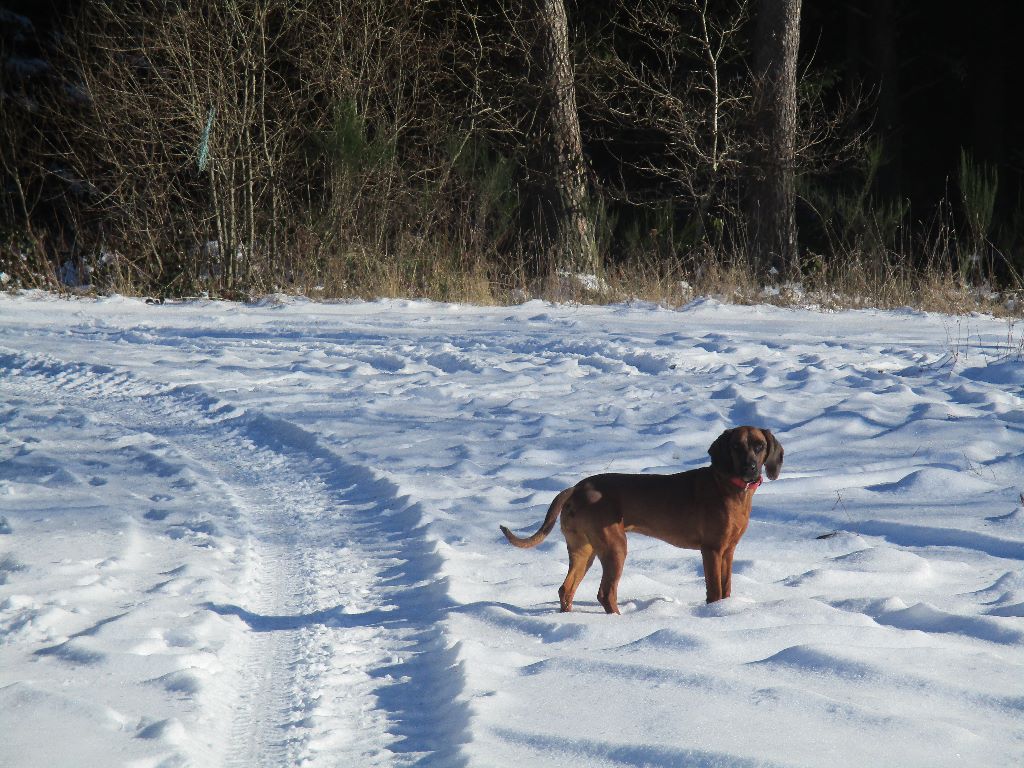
column 581, row 557
column 613, row 558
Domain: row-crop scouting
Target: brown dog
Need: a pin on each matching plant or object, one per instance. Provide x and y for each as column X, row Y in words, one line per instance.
column 706, row 509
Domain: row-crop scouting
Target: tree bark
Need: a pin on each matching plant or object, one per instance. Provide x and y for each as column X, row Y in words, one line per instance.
column 571, row 228
column 772, row 194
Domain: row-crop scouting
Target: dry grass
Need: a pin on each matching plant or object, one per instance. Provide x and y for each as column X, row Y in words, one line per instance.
column 417, row 274
column 425, row 271
column 856, row 285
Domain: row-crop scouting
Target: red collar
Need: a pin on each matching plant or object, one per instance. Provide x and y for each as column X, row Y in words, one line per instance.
column 741, row 483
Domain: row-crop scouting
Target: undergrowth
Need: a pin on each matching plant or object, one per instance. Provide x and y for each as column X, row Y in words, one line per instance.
column 857, row 284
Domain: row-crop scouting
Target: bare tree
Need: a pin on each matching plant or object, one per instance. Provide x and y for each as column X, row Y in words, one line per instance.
column 575, row 248
column 669, row 91
column 772, row 194
column 247, row 147
column 252, row 145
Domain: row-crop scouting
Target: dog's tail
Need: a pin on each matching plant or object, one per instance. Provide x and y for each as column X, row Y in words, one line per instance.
column 545, row 528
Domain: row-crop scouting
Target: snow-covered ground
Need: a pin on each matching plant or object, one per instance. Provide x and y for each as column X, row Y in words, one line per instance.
column 268, row 536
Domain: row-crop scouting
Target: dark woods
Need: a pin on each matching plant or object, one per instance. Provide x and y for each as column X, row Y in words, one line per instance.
column 466, row 150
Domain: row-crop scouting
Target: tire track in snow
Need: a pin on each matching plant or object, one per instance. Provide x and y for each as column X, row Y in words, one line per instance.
column 346, row 659
column 420, row 678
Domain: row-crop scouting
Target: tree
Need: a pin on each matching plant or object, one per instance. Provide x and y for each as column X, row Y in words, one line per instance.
column 667, row 96
column 571, row 227
column 772, row 194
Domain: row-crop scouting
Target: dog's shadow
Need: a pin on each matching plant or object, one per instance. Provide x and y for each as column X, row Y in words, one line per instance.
column 329, row 617
column 543, row 621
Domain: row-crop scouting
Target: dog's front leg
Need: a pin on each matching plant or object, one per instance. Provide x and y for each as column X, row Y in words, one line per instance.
column 713, row 573
column 727, row 571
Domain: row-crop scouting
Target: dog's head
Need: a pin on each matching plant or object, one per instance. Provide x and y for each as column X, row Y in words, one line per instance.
column 741, row 452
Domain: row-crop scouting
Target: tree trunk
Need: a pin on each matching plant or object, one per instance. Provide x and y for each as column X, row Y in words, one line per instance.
column 772, row 200
column 571, row 229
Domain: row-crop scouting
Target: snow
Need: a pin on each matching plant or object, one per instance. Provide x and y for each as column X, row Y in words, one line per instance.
column 267, row 535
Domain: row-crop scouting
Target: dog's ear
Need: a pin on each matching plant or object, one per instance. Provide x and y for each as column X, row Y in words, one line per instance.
column 773, row 462
column 721, row 453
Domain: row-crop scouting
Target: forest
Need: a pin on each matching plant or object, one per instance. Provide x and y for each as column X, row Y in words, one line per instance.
column 857, row 153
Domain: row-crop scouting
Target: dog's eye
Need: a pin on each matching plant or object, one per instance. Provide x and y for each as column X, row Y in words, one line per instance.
column 759, row 447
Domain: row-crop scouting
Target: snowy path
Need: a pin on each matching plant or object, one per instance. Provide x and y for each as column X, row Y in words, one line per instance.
column 268, row 536
column 325, row 640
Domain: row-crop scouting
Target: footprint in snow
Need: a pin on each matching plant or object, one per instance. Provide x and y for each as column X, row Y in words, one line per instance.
column 201, row 531
column 170, row 729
